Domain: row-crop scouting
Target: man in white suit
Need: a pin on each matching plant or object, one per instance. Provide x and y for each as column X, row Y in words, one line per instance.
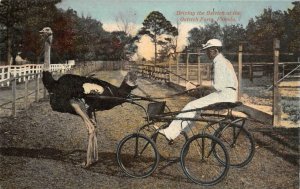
column 224, row 82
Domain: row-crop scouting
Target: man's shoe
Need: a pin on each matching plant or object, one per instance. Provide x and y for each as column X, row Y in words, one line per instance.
column 171, row 142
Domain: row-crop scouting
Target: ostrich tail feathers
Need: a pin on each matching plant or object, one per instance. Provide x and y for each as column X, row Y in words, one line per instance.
column 48, row 81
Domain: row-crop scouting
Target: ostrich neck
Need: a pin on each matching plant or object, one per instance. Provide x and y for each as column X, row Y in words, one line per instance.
column 125, row 89
column 47, row 54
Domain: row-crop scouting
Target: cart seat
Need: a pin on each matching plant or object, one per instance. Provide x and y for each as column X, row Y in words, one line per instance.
column 222, row 106
column 156, row 108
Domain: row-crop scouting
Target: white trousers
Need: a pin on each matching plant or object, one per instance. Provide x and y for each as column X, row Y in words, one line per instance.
column 176, row 126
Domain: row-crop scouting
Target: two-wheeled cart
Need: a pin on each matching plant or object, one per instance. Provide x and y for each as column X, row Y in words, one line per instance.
column 205, row 157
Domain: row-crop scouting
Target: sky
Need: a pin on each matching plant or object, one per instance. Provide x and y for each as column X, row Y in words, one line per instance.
column 188, row 13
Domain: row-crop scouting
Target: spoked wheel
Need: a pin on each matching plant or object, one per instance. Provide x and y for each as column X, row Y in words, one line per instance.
column 168, row 151
column 239, row 144
column 200, row 164
column 137, row 155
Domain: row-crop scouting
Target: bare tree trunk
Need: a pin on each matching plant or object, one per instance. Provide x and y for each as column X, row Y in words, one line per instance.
column 155, row 53
column 9, row 34
column 9, row 46
column 155, row 45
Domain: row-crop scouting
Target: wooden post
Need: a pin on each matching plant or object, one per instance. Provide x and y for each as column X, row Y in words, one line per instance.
column 251, row 72
column 37, row 87
column 14, row 97
column 240, row 70
column 9, row 75
column 187, row 67
column 276, row 95
column 177, row 68
column 26, row 94
column 170, row 69
column 199, row 70
column 283, row 66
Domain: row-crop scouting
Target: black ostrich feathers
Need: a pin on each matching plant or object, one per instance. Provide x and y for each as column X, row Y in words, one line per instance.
column 83, row 90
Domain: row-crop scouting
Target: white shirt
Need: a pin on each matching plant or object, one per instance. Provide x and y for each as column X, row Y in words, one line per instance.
column 224, row 74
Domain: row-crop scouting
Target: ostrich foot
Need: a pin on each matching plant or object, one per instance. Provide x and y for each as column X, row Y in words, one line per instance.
column 92, row 151
column 84, row 165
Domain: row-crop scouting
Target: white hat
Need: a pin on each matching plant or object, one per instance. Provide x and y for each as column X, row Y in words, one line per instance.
column 212, row 43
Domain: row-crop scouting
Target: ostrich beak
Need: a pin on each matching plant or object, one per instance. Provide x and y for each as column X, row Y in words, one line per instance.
column 42, row 33
column 46, row 31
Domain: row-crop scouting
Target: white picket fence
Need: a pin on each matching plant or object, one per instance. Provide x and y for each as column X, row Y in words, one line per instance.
column 20, row 71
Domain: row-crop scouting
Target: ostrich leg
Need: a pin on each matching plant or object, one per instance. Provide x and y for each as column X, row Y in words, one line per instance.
column 92, row 150
column 93, row 138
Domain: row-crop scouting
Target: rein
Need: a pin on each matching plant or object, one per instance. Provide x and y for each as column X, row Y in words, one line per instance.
column 164, row 97
column 179, row 76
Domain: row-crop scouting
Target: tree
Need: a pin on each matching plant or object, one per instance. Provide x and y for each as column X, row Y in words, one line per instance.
column 199, row 36
column 233, row 35
column 262, row 31
column 88, row 35
column 159, row 29
column 293, row 28
column 126, row 22
column 39, row 16
column 13, row 14
column 64, row 34
column 126, row 47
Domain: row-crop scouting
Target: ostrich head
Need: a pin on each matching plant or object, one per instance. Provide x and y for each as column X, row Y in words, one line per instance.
column 129, row 83
column 130, row 79
column 47, row 33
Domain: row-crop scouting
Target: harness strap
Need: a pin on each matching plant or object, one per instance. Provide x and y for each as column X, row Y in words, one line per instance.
column 231, row 88
column 110, row 91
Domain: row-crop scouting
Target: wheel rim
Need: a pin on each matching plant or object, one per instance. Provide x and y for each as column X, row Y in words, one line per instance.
column 199, row 163
column 137, row 156
column 239, row 144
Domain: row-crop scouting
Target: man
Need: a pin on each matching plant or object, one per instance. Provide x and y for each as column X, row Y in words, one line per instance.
column 224, row 83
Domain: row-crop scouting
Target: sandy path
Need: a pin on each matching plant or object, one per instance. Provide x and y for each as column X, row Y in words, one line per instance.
column 41, row 150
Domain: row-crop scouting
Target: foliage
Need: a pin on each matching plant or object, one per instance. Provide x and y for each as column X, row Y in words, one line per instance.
column 268, row 25
column 293, row 28
column 232, row 36
column 159, row 29
column 257, row 36
column 15, row 15
column 75, row 37
column 199, row 36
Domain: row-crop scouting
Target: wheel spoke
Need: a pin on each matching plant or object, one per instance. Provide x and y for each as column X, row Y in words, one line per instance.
column 198, row 163
column 137, row 155
column 239, row 143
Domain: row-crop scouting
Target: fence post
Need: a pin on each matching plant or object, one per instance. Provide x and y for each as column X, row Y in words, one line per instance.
column 177, row 68
column 276, row 95
column 14, row 97
column 251, row 71
column 240, row 70
column 199, row 70
column 170, row 67
column 9, row 75
column 187, row 67
column 26, row 94
column 37, row 87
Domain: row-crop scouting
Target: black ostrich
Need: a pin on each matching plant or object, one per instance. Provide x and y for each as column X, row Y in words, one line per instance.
column 81, row 96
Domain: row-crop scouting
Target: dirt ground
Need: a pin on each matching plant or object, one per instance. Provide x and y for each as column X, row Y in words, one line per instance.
column 43, row 148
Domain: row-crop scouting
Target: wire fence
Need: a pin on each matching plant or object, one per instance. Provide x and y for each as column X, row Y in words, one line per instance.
column 270, row 87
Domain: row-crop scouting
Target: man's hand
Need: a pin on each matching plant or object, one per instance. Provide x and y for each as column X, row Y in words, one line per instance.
column 198, row 91
column 190, row 86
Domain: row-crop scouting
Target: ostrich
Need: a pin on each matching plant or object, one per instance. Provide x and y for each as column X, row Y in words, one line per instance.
column 76, row 95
